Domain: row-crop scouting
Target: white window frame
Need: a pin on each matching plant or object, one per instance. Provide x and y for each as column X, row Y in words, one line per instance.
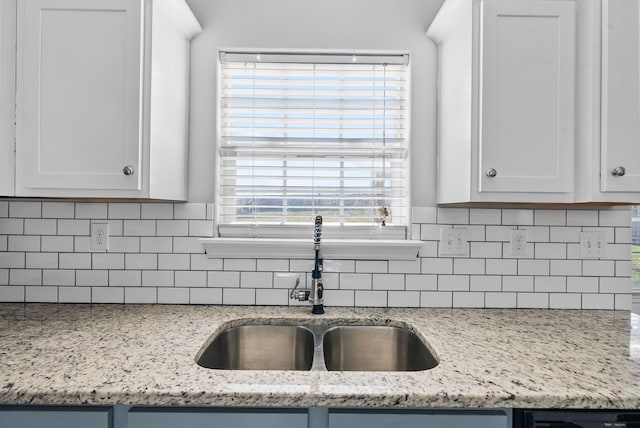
column 274, row 231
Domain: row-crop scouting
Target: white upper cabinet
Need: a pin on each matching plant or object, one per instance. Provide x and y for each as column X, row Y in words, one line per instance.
column 619, row 178
column 102, row 98
column 7, row 96
column 506, row 117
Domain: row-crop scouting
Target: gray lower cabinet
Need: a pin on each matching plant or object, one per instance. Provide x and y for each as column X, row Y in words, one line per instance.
column 418, row 419
column 55, row 417
column 154, row 417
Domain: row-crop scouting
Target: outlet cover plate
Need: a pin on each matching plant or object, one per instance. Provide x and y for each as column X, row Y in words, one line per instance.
column 454, row 242
column 519, row 243
column 99, row 236
column 593, row 244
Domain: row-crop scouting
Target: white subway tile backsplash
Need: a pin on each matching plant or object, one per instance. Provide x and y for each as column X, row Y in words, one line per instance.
column 156, row 244
column 566, row 267
column 598, row 301
column 550, row 250
column 25, row 277
column 191, row 278
column 550, row 217
column 485, row 216
column 565, row 301
column 74, row 294
column 501, row 267
column 517, row 217
column 517, row 283
column 371, row 266
column 41, row 294
column 488, row 250
column 155, row 256
column 388, row 281
column 58, row 210
column 41, row 261
column 485, row 283
column 157, row 278
column 340, row 298
column 60, row 277
column 107, row 295
column 205, row 296
column 371, row 298
column 74, row 261
column 173, row 296
column 201, row 228
column 500, row 300
column 92, row 278
column 11, row 226
column 74, row 227
column 272, row 297
column 615, row 217
column 139, row 228
column 432, row 265
column 38, row 226
column 533, row 267
column 25, row 209
column 550, row 284
column 190, row 211
column 355, row 281
column 91, row 210
column 13, row 293
column 124, row 210
column 238, row 296
column 615, row 285
column 424, row 215
column 174, row 261
column 453, row 216
column 436, row 299
column 140, row 295
column 240, row 264
column 421, row 282
column 404, row 299
column 141, row 261
column 468, row 266
column 125, row 278
column 532, row 300
column 623, row 302
column 173, row 228
column 23, row 243
column 468, row 300
column 453, row 282
column 223, row 279
column 156, row 211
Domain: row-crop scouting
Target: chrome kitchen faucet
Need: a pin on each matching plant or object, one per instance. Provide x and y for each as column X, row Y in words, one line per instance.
column 315, row 295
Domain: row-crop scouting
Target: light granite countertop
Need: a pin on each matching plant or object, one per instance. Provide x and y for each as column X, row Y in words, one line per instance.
column 144, row 354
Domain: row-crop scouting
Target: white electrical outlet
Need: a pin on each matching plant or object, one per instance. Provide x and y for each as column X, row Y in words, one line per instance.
column 99, row 236
column 519, row 243
column 453, row 242
column 593, row 244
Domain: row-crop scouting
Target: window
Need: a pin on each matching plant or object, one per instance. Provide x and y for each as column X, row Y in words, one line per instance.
column 307, row 135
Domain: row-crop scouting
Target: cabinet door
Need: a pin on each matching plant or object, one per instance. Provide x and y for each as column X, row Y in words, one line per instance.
column 207, row 418
column 527, row 96
column 7, row 95
column 54, row 418
column 409, row 419
column 79, row 84
column 620, row 144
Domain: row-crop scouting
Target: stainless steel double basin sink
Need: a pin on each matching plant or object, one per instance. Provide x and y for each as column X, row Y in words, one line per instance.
column 330, row 347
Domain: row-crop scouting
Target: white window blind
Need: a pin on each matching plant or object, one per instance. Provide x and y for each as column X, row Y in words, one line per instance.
column 307, row 135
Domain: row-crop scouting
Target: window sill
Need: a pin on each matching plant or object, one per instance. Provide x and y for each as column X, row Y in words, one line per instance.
column 332, row 249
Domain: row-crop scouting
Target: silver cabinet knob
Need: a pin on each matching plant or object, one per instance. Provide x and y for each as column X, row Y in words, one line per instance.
column 619, row 171
column 127, row 170
column 491, row 172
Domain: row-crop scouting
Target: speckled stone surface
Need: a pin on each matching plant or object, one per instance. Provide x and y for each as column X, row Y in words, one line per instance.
column 138, row 354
